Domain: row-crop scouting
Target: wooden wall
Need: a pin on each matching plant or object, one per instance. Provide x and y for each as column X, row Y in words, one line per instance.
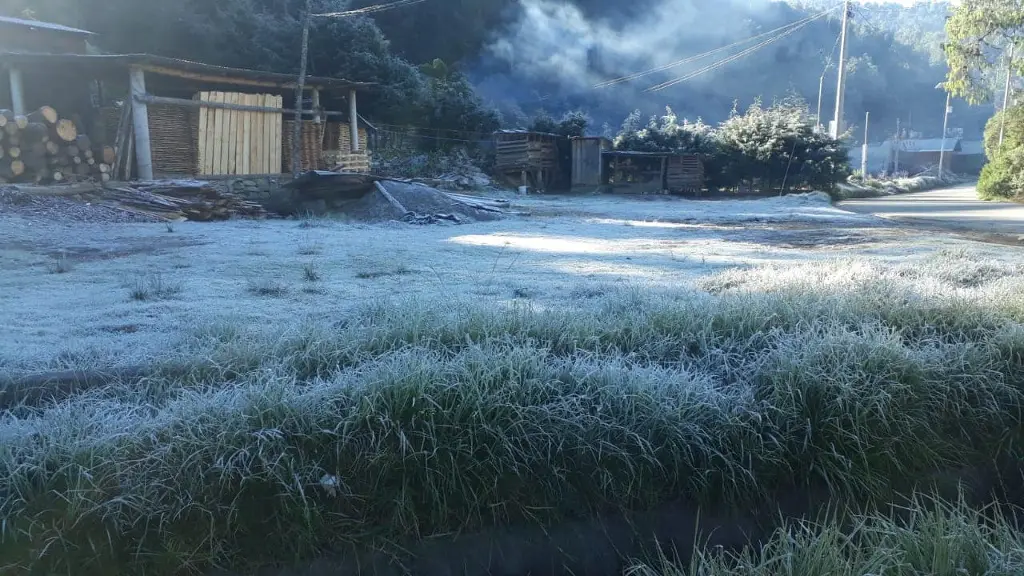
column 587, row 165
column 239, row 142
column 684, row 173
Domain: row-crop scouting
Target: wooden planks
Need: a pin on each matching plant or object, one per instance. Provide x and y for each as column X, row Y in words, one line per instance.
column 240, row 141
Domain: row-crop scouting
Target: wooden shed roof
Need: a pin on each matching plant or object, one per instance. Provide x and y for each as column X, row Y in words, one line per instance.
column 180, row 68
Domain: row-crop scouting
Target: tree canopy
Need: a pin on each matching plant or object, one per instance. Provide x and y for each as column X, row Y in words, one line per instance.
column 980, row 35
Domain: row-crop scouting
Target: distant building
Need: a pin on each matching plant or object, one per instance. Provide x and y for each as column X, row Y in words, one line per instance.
column 920, row 154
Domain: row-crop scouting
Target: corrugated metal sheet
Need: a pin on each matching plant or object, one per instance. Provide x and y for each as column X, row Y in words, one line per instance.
column 42, row 25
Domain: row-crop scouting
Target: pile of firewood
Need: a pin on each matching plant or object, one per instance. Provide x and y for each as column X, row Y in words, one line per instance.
column 179, row 200
column 42, row 147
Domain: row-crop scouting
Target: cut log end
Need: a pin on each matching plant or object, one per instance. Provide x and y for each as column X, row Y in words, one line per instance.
column 17, row 167
column 21, row 122
column 66, row 130
column 46, row 115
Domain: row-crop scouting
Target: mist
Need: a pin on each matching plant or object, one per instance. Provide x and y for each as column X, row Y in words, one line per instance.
column 550, row 56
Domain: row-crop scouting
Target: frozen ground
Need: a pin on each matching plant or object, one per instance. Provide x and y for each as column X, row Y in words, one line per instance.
column 80, row 294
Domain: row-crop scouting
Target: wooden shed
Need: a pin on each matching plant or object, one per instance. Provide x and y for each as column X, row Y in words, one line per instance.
column 587, row 167
column 528, row 157
column 171, row 117
column 652, row 172
column 21, row 35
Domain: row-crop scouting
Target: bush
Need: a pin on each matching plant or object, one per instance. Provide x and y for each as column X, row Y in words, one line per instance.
column 1003, row 177
column 1013, row 132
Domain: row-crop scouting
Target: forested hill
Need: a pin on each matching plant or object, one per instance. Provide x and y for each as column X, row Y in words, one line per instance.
column 532, row 56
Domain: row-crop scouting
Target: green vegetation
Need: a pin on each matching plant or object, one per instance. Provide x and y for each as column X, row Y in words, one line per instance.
column 934, row 538
column 1002, row 178
column 980, row 33
column 409, row 420
column 773, row 147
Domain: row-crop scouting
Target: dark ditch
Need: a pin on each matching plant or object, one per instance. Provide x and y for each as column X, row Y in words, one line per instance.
column 611, row 545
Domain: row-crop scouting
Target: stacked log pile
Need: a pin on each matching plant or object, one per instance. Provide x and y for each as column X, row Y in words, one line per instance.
column 42, row 147
column 179, row 200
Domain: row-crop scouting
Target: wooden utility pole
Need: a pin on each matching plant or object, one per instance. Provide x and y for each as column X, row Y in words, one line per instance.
column 1006, row 96
column 299, row 88
column 896, row 142
column 945, row 125
column 841, row 88
column 864, row 149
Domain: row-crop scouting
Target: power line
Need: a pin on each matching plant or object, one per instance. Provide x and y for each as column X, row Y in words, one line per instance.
column 734, row 57
column 690, row 59
column 370, row 9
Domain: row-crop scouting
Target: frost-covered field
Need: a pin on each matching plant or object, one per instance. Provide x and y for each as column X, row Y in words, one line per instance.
column 326, row 390
column 95, row 294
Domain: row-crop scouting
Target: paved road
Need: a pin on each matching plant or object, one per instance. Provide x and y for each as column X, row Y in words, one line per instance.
column 951, row 208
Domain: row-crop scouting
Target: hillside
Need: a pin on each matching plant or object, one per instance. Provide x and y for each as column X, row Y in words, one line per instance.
column 540, row 56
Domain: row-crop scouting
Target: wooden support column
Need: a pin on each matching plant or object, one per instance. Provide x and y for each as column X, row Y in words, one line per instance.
column 316, row 106
column 140, row 118
column 353, row 120
column 17, row 92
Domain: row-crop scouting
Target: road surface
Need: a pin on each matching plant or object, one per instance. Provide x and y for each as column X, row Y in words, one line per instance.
column 951, row 208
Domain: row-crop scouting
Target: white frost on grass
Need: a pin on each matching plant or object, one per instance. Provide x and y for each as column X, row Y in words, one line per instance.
column 574, row 246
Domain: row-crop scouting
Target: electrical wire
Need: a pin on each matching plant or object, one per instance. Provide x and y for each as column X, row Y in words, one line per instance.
column 732, row 58
column 370, row 9
column 688, row 60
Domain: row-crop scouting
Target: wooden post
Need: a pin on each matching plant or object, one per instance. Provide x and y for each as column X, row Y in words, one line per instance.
column 17, row 92
column 303, row 62
column 316, row 106
column 140, row 118
column 353, row 120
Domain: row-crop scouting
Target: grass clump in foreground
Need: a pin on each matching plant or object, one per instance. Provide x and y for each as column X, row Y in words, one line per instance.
column 430, row 420
column 934, row 538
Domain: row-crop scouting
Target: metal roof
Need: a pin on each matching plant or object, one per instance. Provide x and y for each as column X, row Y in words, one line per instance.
column 177, row 67
column 529, row 132
column 645, row 154
column 42, row 25
column 930, row 145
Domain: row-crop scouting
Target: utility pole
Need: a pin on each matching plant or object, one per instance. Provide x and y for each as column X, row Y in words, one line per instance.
column 821, row 86
column 896, row 142
column 299, row 89
column 945, row 124
column 841, row 88
column 864, row 149
column 1006, row 96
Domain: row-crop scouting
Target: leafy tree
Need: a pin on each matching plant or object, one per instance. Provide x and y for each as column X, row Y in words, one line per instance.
column 980, row 32
column 666, row 134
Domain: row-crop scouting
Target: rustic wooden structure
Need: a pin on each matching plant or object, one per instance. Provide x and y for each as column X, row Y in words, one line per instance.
column 21, row 35
column 531, row 158
column 168, row 117
column 587, row 164
column 652, row 172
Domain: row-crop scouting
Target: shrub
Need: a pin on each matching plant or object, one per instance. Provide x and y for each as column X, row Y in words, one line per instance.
column 1013, row 132
column 1003, row 177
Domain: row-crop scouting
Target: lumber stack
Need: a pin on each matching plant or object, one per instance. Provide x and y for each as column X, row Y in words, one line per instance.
column 179, row 200
column 43, row 147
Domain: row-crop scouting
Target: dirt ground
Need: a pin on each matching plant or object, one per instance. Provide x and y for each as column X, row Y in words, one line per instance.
column 78, row 294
